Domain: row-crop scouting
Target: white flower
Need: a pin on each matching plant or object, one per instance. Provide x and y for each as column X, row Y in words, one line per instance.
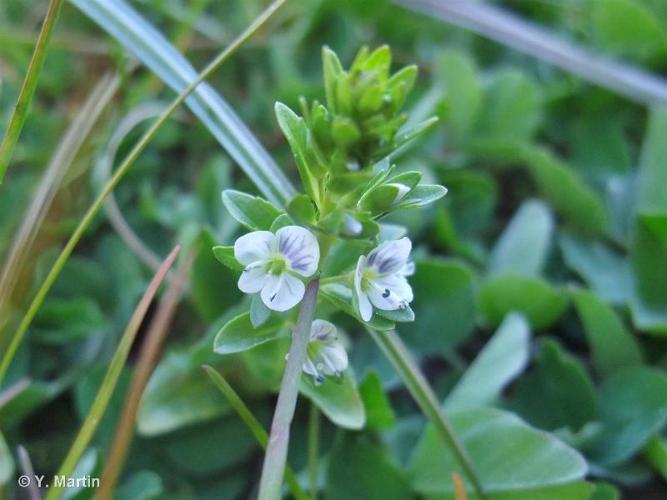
column 380, row 278
column 274, row 262
column 325, row 354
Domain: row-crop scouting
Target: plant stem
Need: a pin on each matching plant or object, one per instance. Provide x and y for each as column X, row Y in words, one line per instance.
column 118, row 175
column 313, row 448
column 276, row 451
column 254, row 425
column 29, row 85
column 111, row 377
column 421, row 391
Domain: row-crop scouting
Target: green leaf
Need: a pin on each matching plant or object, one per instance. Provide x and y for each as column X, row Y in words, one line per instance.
column 509, row 455
column 652, row 195
column 525, row 242
column 578, row 490
column 302, row 209
column 401, row 315
column 177, row 395
column 333, row 70
column 535, row 298
column 259, row 313
column 338, row 399
column 379, row 413
column 568, row 194
column 557, row 392
column 444, row 306
column 422, row 195
column 649, row 295
column 6, row 462
column 633, row 407
column 500, row 361
column 341, row 297
column 225, row 256
column 463, row 94
column 298, row 136
column 512, row 108
column 610, row 22
column 613, row 346
column 239, row 334
column 360, row 470
column 142, row 485
column 253, row 212
column 607, row 273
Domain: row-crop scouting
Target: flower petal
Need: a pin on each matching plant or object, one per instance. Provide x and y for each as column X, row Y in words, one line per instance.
column 333, row 358
column 282, row 292
column 391, row 256
column 252, row 279
column 365, row 307
column 300, row 248
column 254, row 247
column 390, row 292
column 322, row 331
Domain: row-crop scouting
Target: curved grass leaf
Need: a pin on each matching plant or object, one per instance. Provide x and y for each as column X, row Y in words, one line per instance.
column 139, row 37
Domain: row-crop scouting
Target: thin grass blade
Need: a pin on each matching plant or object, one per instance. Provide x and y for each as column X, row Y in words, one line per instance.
column 111, row 377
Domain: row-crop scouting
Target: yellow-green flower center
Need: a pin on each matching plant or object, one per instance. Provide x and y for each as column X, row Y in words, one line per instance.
column 277, row 264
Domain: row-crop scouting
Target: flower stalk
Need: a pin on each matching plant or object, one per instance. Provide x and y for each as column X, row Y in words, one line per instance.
column 276, row 451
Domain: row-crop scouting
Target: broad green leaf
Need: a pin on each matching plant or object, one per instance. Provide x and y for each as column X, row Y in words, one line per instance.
column 6, row 462
column 401, row 315
column 511, row 109
column 205, row 448
column 178, row 394
column 534, row 297
column 525, row 242
column 333, row 70
column 444, row 305
column 562, row 187
column 500, row 361
column 379, row 413
column 302, row 210
column 259, row 313
column 361, row 470
column 612, row 346
column 239, row 334
column 253, row 212
column 225, row 256
column 632, row 408
column 60, row 321
column 652, row 195
column 655, row 453
column 422, row 195
column 509, row 455
column 338, row 399
column 213, row 287
column 463, row 95
column 649, row 294
column 611, row 19
column 557, row 392
column 607, row 273
column 605, row 491
column 142, row 485
column 578, row 490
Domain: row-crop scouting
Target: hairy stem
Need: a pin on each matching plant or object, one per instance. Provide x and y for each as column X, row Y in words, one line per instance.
column 421, row 391
column 276, row 451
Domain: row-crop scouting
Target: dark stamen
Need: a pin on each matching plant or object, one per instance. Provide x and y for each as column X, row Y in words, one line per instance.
column 386, row 293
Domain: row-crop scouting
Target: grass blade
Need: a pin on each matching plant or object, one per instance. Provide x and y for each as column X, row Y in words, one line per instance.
column 49, row 184
column 254, row 425
column 118, row 175
column 148, row 357
column 105, row 391
column 139, row 37
column 28, row 88
column 421, row 391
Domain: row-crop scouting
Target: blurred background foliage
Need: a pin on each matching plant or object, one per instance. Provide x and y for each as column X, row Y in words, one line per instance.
column 556, row 212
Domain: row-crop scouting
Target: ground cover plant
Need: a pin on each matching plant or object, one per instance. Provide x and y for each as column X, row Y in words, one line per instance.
column 333, row 249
